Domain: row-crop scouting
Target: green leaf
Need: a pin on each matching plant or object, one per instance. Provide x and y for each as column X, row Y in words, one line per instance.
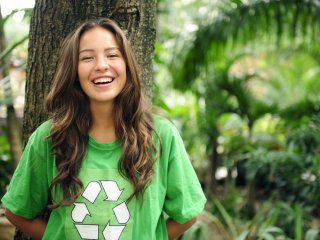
column 226, row 217
column 312, row 234
column 8, row 50
column 243, row 236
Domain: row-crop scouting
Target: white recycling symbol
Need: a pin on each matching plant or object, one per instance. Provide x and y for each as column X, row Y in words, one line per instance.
column 80, row 211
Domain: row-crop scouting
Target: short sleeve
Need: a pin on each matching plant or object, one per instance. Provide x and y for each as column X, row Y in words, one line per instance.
column 27, row 193
column 184, row 198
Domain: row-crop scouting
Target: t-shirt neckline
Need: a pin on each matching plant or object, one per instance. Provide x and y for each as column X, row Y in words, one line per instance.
column 105, row 145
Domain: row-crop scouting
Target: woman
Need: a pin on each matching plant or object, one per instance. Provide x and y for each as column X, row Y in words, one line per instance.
column 105, row 165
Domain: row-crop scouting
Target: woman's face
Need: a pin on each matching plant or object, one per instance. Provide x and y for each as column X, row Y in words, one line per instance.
column 101, row 67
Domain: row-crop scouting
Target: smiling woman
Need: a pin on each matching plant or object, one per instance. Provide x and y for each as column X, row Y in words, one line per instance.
column 102, row 76
column 101, row 68
column 103, row 152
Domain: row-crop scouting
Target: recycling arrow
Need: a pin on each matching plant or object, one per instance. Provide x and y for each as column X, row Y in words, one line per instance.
column 79, row 212
column 112, row 232
column 88, row 231
column 92, row 191
column 112, row 190
column 122, row 213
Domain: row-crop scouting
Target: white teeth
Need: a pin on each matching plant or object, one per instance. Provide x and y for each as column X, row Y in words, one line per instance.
column 103, row 80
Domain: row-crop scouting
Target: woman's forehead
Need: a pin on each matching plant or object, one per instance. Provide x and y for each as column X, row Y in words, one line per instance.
column 98, row 36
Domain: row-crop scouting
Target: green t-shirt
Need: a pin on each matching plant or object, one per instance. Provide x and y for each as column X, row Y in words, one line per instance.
column 101, row 212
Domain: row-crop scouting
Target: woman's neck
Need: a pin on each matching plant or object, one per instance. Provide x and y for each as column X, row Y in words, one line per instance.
column 102, row 129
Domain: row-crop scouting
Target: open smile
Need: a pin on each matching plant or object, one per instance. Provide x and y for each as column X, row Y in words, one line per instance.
column 103, row 80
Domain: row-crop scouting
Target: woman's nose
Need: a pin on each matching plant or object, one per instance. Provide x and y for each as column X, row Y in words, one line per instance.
column 102, row 64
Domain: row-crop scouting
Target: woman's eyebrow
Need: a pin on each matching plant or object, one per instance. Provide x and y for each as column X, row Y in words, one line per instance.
column 91, row 50
column 86, row 50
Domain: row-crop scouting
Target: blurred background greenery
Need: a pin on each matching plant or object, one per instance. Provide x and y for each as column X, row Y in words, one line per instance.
column 240, row 79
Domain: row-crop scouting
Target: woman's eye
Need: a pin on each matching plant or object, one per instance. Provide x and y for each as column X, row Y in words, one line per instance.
column 86, row 59
column 112, row 55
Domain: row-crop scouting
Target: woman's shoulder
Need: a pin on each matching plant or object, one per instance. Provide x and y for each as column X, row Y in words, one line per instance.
column 39, row 141
column 160, row 122
column 42, row 132
column 164, row 126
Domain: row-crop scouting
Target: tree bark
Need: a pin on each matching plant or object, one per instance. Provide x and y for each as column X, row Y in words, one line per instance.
column 53, row 20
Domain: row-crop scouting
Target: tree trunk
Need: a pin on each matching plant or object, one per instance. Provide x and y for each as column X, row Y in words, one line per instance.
column 53, row 20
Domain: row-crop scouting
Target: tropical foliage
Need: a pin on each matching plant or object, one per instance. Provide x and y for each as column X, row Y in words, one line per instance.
column 10, row 142
column 249, row 114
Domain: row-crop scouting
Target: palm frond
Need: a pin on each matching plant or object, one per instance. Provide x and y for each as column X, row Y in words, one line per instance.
column 258, row 22
column 27, row 12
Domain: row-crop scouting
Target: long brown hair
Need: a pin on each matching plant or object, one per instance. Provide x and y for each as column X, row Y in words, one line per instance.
column 68, row 107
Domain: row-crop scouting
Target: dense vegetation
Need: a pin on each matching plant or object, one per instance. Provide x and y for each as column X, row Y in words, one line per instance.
column 245, row 94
